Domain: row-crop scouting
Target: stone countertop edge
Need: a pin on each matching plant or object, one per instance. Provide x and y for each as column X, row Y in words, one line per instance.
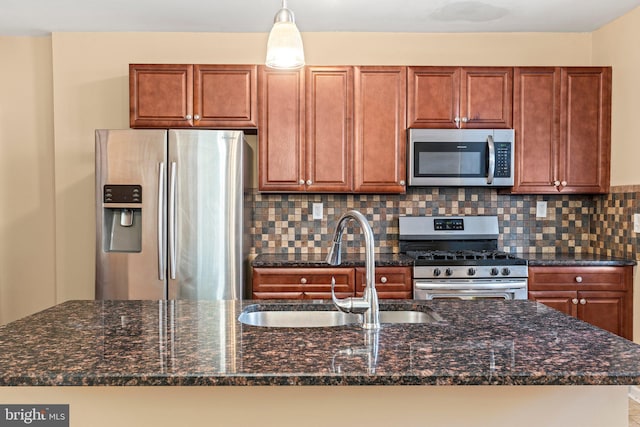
column 318, row 260
column 201, row 343
column 570, row 260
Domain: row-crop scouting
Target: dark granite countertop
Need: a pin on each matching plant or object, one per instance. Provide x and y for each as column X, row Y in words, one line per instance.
column 147, row 343
column 568, row 260
column 317, row 260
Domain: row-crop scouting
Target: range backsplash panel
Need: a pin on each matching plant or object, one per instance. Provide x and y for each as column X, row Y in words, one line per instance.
column 283, row 223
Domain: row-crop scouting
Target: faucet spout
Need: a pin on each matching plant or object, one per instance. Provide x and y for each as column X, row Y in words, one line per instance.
column 368, row 303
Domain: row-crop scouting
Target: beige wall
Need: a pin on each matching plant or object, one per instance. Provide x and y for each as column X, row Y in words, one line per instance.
column 27, row 261
column 616, row 45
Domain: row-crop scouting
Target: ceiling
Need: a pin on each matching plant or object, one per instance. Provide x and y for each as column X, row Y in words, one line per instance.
column 42, row 17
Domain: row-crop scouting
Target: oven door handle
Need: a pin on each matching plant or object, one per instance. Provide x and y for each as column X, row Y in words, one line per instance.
column 471, row 286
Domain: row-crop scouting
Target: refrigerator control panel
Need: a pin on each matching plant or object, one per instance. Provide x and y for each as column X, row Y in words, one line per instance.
column 122, row 193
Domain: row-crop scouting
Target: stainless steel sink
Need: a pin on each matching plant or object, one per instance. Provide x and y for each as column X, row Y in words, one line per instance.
column 292, row 318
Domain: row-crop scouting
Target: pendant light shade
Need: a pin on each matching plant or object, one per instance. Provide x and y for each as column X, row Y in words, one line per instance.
column 284, row 47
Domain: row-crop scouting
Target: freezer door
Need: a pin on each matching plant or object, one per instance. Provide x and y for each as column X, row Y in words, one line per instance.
column 205, row 202
column 131, row 214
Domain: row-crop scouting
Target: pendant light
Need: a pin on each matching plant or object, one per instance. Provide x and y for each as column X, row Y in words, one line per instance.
column 284, row 47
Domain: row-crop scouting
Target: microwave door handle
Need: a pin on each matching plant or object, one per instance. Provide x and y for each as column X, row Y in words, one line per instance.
column 492, row 159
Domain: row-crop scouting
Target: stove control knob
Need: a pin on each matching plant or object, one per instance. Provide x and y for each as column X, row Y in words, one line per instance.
column 471, row 271
column 436, row 272
column 494, row 271
column 506, row 271
column 448, row 272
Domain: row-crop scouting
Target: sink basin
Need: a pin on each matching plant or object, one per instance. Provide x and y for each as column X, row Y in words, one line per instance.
column 292, row 318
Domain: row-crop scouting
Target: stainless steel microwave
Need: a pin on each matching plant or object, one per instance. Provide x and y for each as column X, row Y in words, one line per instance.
column 460, row 157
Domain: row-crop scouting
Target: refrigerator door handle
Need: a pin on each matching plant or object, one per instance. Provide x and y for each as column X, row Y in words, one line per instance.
column 161, row 257
column 172, row 221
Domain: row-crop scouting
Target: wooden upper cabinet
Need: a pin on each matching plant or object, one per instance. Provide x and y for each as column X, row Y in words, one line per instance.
column 585, row 130
column 562, row 122
column 225, row 96
column 184, row 95
column 281, row 148
column 329, row 129
column 536, row 120
column 160, row 95
column 460, row 97
column 380, row 129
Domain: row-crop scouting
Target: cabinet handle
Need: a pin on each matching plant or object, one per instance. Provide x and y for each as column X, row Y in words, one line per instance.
column 579, row 279
column 309, row 182
column 188, row 117
column 465, row 120
column 583, row 301
column 457, row 120
column 556, row 183
column 301, row 182
column 564, row 183
column 303, row 281
column 196, row 117
column 383, row 279
column 574, row 301
column 402, row 182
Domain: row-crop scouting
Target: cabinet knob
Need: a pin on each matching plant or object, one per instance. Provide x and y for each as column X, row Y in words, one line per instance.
column 188, row 117
column 303, row 281
column 301, row 182
column 556, row 183
column 564, row 183
column 583, row 301
column 574, row 301
column 196, row 117
column 383, row 279
column 402, row 182
column 579, row 279
column 309, row 182
column 465, row 120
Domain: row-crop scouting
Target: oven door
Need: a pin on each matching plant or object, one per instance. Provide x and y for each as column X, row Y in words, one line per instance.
column 508, row 289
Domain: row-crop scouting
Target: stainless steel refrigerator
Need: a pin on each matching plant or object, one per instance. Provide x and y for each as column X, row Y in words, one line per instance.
column 169, row 214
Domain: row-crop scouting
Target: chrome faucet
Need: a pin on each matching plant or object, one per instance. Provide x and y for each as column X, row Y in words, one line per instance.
column 367, row 305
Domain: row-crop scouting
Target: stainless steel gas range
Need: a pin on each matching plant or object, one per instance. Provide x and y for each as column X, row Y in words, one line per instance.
column 458, row 257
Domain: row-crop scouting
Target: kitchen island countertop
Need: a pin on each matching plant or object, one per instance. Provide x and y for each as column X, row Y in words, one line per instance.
column 186, row 343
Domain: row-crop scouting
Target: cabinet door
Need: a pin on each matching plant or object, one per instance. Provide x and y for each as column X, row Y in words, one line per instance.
column 391, row 282
column 536, row 120
column 380, row 130
column 606, row 310
column 160, row 95
column 560, row 300
column 433, row 97
column 281, row 118
column 301, row 283
column 585, row 125
column 225, row 96
column 486, row 96
column 329, row 129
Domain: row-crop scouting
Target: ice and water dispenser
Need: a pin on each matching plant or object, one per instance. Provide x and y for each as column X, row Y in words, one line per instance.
column 122, row 218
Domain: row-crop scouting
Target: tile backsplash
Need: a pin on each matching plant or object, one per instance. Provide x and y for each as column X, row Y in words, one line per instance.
column 283, row 223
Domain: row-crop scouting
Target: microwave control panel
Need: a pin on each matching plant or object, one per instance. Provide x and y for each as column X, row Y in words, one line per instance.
column 503, row 160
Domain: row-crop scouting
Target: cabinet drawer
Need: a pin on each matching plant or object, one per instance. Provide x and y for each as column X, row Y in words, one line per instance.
column 593, row 278
column 391, row 282
column 302, row 283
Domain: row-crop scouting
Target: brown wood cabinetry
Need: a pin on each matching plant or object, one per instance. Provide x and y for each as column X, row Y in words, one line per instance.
column 602, row 296
column 380, row 129
column 185, row 95
column 315, row 282
column 307, row 125
column 562, row 122
column 391, row 282
column 460, row 97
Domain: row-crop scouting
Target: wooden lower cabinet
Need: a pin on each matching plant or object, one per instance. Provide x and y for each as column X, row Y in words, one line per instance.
column 315, row 282
column 602, row 296
column 391, row 282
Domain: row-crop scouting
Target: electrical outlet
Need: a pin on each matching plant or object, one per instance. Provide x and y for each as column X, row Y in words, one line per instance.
column 318, row 211
column 636, row 223
column 541, row 209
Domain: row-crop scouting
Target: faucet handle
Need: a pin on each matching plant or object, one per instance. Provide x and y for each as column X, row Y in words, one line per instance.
column 350, row 304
